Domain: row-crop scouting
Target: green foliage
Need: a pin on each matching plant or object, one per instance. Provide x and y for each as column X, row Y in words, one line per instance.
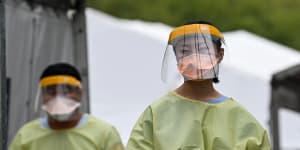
column 277, row 20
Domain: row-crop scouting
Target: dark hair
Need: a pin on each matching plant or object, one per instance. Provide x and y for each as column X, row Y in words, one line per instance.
column 218, row 42
column 198, row 22
column 61, row 69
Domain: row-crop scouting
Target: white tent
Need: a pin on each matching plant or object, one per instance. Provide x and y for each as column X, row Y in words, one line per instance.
column 125, row 61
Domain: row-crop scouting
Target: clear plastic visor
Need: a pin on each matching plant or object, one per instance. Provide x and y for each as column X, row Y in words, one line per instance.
column 58, row 99
column 191, row 57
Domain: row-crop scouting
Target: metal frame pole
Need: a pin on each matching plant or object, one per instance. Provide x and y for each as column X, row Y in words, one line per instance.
column 3, row 82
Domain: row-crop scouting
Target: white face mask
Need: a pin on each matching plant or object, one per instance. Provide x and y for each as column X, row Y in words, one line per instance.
column 61, row 108
column 62, row 117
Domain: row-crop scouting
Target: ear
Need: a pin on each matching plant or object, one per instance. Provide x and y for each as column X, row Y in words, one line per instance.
column 80, row 92
column 221, row 55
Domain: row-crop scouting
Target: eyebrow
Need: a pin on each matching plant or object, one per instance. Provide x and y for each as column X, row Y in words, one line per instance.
column 185, row 45
column 190, row 43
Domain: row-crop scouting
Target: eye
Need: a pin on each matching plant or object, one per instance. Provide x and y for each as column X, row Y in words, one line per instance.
column 185, row 50
column 71, row 88
column 204, row 51
column 50, row 90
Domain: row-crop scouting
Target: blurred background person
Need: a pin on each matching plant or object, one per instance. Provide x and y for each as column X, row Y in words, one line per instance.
column 64, row 127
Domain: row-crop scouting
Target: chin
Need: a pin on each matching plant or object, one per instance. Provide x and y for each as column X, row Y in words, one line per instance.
column 196, row 80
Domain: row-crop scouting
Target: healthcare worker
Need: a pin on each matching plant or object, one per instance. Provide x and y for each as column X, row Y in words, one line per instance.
column 196, row 116
column 65, row 127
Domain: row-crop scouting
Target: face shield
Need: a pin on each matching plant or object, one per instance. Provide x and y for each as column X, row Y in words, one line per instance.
column 193, row 53
column 60, row 96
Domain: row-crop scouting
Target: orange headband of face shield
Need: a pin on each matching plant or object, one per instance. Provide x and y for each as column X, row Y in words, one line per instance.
column 192, row 29
column 60, row 79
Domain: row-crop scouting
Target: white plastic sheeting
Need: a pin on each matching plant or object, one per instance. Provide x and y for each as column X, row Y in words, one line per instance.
column 125, row 61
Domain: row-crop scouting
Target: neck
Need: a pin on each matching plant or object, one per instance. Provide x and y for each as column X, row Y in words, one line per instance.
column 198, row 90
column 58, row 125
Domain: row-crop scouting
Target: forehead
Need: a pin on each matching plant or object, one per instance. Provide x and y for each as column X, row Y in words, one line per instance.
column 194, row 43
column 59, row 86
column 193, row 39
column 189, row 41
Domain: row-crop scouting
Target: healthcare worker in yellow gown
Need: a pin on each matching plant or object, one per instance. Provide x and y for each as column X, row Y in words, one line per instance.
column 65, row 127
column 196, row 116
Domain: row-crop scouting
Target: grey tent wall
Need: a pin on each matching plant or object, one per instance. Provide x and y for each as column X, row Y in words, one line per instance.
column 3, row 86
column 38, row 35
